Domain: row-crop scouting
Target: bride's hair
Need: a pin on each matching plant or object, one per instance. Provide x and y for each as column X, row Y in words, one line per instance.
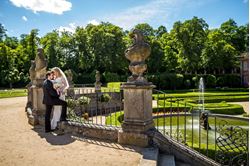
column 56, row 69
column 61, row 74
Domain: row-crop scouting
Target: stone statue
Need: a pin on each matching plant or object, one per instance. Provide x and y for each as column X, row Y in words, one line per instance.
column 41, row 64
column 204, row 121
column 98, row 83
column 32, row 71
column 137, row 53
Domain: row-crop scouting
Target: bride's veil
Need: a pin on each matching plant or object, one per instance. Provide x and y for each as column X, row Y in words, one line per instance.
column 64, row 78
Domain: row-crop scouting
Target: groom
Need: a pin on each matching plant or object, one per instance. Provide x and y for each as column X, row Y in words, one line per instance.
column 51, row 98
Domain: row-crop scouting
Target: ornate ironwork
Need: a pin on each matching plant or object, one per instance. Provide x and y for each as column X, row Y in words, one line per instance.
column 233, row 145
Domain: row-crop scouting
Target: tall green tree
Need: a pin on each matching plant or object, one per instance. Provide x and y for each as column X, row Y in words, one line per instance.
column 50, row 43
column 190, row 37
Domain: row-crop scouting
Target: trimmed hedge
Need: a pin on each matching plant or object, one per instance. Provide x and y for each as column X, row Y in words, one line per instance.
column 114, row 85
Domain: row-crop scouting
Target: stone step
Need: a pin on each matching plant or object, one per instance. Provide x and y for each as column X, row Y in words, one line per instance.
column 166, row 160
column 149, row 157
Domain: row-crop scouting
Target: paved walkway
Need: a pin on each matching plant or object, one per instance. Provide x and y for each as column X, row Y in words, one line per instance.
column 23, row 145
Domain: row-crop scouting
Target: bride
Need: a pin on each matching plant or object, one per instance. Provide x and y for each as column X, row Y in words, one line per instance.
column 61, row 84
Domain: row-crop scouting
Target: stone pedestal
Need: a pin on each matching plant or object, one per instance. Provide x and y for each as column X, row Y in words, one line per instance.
column 137, row 114
column 38, row 108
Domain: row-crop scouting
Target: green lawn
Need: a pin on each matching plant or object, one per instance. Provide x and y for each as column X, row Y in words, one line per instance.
column 13, row 93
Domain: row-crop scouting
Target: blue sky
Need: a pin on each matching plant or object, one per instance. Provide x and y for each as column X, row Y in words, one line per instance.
column 20, row 16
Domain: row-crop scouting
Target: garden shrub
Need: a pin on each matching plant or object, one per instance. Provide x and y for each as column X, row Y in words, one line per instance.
column 195, row 81
column 171, row 81
column 187, row 83
column 114, row 85
column 210, row 81
column 105, row 97
column 229, row 80
column 111, row 77
column 84, row 78
column 83, row 100
column 233, row 109
column 154, row 78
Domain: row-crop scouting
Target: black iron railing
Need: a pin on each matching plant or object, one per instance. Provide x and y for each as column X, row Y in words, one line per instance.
column 210, row 134
column 86, row 105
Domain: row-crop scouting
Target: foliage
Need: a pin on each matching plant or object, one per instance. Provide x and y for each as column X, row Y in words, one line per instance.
column 83, row 100
column 189, row 48
column 210, row 81
column 114, row 85
column 105, row 97
column 111, row 77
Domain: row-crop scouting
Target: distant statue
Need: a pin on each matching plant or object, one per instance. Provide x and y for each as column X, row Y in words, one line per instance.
column 41, row 64
column 137, row 53
column 98, row 83
column 204, row 121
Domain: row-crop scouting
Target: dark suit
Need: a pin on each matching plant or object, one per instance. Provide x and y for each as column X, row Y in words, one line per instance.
column 50, row 99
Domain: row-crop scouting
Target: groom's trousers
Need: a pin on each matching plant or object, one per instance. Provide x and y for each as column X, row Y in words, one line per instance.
column 64, row 108
column 48, row 113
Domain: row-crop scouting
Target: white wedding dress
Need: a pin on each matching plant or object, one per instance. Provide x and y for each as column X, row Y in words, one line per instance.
column 57, row 109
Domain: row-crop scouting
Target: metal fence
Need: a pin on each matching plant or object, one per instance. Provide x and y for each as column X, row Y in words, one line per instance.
column 86, row 105
column 211, row 135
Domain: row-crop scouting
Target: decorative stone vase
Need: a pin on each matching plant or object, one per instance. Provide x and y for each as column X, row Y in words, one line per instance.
column 137, row 53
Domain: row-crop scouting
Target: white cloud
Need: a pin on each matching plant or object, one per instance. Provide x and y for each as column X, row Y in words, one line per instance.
column 70, row 28
column 94, row 22
column 50, row 6
column 24, row 18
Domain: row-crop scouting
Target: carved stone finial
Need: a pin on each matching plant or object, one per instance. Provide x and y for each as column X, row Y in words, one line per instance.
column 137, row 53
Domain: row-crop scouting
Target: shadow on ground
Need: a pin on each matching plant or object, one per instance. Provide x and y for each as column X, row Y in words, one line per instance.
column 53, row 139
column 107, row 143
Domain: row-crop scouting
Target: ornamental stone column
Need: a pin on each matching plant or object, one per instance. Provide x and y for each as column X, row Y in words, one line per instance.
column 35, row 92
column 137, row 95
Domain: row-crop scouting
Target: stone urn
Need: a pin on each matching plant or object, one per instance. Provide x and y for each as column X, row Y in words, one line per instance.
column 137, row 53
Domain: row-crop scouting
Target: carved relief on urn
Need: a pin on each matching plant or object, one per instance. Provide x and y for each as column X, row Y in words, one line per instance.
column 137, row 53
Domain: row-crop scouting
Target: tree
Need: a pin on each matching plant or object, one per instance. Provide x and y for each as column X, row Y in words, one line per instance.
column 33, row 42
column 146, row 30
column 190, row 37
column 236, row 36
column 106, row 47
column 160, row 31
column 51, row 47
column 2, row 32
column 218, row 54
column 9, row 73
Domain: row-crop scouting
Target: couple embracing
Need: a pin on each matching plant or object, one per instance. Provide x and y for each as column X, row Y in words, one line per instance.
column 54, row 88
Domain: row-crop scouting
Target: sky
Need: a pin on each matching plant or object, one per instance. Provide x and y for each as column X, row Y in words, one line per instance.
column 21, row 16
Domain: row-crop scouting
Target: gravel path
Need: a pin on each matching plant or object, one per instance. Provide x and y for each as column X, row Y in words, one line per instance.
column 23, row 145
